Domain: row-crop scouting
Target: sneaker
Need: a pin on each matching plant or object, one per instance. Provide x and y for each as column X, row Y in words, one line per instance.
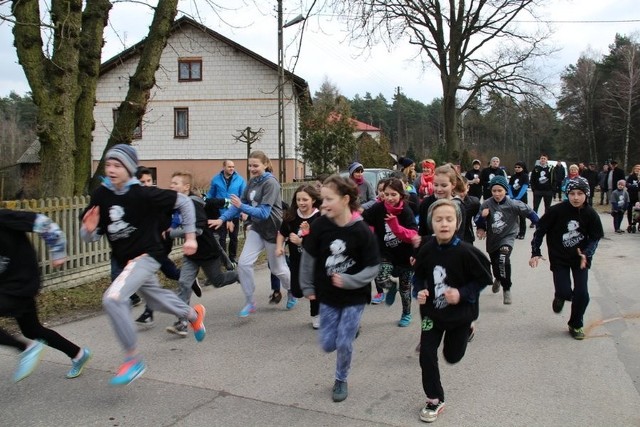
column 178, row 328
column 378, row 298
column 340, row 391
column 275, row 297
column 291, row 301
column 391, row 295
column 145, row 319
column 496, row 286
column 196, row 288
column 28, row 361
column 430, row 412
column 199, row 331
column 557, row 305
column 629, row 229
column 247, row 310
column 576, row 333
column 315, row 322
column 520, row 237
column 129, row 371
column 532, row 226
column 506, row 297
column 78, row 366
column 135, row 300
column 405, row 320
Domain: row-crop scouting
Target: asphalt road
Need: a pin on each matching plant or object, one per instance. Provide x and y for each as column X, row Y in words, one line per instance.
column 522, row 368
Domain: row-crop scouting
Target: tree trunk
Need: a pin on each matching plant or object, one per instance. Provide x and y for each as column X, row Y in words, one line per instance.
column 54, row 85
column 449, row 111
column 134, row 106
column 94, row 21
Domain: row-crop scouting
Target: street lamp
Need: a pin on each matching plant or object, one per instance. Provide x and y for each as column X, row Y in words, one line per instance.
column 282, row 161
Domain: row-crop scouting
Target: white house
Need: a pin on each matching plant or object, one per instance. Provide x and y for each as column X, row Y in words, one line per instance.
column 208, row 90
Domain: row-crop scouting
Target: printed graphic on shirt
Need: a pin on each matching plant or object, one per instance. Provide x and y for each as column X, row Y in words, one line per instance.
column 427, row 324
column 439, row 276
column 338, row 262
column 573, row 236
column 390, row 239
column 516, row 184
column 4, row 262
column 543, row 177
column 498, row 224
column 252, row 195
column 118, row 229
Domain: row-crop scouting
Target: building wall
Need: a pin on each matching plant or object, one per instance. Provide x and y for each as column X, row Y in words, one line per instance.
column 236, row 92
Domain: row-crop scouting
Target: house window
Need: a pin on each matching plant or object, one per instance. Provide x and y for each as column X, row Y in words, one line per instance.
column 189, row 70
column 137, row 132
column 180, row 122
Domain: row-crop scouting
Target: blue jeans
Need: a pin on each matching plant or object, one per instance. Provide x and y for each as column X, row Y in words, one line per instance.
column 338, row 329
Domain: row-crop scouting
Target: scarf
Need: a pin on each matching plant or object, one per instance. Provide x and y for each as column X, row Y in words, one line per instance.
column 426, row 179
column 573, row 174
column 394, row 210
column 358, row 181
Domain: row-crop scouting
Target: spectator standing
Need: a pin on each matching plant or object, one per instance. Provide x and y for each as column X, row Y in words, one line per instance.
column 487, row 175
column 591, row 175
column 632, row 189
column 619, row 204
column 615, row 174
column 559, row 173
column 602, row 183
column 366, row 193
column 473, row 179
column 518, row 186
column 223, row 185
column 542, row 184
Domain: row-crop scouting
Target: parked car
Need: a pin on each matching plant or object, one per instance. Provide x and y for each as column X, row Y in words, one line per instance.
column 372, row 175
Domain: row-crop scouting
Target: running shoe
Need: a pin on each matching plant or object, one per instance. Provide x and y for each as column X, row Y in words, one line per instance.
column 196, row 288
column 391, row 295
column 275, row 297
column 430, row 412
column 77, row 367
column 129, row 371
column 378, row 298
column 315, row 322
column 405, row 320
column 247, row 310
column 145, row 319
column 199, row 331
column 576, row 333
column 179, row 328
column 28, row 361
column 291, row 301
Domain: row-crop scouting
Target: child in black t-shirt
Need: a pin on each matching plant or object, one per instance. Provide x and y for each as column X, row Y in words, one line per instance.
column 296, row 225
column 450, row 274
column 573, row 230
column 129, row 215
column 340, row 258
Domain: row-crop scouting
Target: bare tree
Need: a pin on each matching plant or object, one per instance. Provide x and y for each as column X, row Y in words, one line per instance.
column 475, row 45
column 623, row 93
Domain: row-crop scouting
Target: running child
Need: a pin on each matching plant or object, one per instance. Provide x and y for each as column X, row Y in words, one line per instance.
column 396, row 230
column 450, row 274
column 340, row 258
column 296, row 225
column 447, row 183
column 19, row 285
column 262, row 202
column 129, row 215
column 379, row 296
column 619, row 203
column 208, row 255
column 573, row 230
column 499, row 223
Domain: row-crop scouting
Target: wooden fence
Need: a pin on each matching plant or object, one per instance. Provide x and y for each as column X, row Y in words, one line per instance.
column 87, row 262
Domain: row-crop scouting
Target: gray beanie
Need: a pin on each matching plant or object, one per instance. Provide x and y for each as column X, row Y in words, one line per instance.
column 501, row 181
column 125, row 154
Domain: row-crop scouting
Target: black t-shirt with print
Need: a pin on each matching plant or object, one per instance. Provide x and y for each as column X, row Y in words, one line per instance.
column 461, row 266
column 336, row 249
column 295, row 251
column 392, row 249
column 19, row 271
column 131, row 220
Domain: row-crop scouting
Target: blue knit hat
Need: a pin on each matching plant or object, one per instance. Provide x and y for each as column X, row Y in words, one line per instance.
column 499, row 180
column 125, row 154
column 354, row 167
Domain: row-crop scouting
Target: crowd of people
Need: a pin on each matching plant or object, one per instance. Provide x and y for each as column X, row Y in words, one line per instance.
column 413, row 235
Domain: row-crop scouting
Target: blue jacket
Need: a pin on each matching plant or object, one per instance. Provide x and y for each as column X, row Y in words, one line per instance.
column 219, row 189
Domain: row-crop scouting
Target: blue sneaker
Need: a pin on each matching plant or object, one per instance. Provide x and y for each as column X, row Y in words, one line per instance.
column 129, row 371
column 247, row 310
column 378, row 298
column 405, row 320
column 28, row 361
column 291, row 301
column 391, row 295
column 77, row 367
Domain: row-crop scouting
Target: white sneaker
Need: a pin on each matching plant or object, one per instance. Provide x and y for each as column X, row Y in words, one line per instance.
column 315, row 322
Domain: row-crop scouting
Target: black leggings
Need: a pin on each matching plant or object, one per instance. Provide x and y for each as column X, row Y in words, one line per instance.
column 25, row 312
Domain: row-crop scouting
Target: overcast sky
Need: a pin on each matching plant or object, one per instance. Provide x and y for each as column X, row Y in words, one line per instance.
column 326, row 53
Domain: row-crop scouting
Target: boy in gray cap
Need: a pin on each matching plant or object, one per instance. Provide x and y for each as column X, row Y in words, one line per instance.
column 129, row 215
column 499, row 222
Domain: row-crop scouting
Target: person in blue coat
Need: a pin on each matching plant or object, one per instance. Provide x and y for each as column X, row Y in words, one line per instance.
column 518, row 186
column 223, row 185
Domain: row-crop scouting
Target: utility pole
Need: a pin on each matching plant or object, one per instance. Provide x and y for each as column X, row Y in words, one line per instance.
column 398, row 122
column 282, row 161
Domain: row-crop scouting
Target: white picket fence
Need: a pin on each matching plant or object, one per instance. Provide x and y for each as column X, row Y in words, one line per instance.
column 87, row 262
